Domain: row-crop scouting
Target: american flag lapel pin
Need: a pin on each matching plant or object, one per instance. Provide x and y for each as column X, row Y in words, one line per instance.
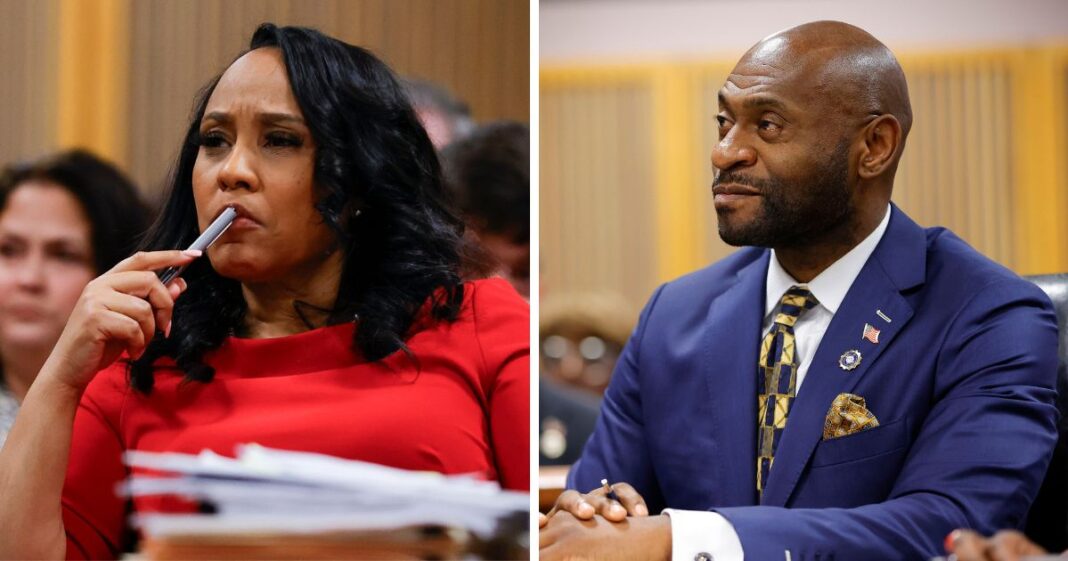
column 871, row 334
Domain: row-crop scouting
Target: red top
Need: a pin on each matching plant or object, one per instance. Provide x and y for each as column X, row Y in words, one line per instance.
column 466, row 409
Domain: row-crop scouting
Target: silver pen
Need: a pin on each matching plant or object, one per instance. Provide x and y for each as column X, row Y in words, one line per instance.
column 203, row 242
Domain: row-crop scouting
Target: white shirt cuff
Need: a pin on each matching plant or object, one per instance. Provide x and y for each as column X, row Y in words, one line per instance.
column 703, row 536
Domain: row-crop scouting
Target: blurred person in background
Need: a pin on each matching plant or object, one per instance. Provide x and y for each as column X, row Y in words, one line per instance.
column 581, row 337
column 566, row 417
column 489, row 175
column 63, row 220
column 445, row 118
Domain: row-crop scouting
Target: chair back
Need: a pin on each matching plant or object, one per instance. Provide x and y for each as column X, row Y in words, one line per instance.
column 1047, row 523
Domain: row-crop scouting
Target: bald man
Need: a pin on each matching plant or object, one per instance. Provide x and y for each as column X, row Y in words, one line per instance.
column 848, row 386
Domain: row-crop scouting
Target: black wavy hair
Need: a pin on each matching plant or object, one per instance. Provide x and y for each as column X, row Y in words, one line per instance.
column 118, row 217
column 488, row 174
column 381, row 193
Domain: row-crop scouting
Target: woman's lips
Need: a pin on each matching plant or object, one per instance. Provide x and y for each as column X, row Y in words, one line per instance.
column 244, row 220
column 243, row 223
column 24, row 313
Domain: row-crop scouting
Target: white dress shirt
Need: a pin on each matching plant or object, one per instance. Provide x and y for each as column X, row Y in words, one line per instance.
column 702, row 535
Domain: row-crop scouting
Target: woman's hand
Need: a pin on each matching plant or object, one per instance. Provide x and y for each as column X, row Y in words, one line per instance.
column 118, row 311
column 1006, row 545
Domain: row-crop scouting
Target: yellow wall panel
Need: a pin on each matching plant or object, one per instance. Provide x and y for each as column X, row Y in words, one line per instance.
column 597, row 189
column 28, row 94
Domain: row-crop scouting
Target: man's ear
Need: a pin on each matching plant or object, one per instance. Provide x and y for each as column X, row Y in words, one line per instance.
column 882, row 138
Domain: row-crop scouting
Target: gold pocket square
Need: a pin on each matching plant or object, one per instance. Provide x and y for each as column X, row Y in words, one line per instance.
column 847, row 415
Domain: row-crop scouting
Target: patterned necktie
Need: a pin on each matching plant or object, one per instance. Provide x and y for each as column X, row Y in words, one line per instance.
column 778, row 372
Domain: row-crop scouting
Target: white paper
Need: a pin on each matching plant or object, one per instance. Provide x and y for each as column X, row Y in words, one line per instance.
column 277, row 491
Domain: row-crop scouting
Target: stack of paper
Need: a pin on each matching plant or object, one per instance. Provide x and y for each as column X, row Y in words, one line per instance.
column 265, row 495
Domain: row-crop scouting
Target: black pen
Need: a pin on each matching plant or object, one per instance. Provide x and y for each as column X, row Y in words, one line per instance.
column 608, row 492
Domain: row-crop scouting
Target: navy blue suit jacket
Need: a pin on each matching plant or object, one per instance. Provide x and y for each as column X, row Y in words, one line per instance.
column 961, row 381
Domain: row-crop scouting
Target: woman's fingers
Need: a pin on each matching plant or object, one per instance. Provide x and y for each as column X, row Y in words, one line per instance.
column 155, row 260
column 1006, row 545
column 176, row 287
column 1011, row 545
column 122, row 328
column 137, row 309
column 146, row 285
column 966, row 545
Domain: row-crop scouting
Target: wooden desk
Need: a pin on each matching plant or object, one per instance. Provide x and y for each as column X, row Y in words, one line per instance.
column 551, row 482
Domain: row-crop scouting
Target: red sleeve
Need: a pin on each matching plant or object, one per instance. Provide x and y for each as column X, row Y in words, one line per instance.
column 93, row 515
column 502, row 327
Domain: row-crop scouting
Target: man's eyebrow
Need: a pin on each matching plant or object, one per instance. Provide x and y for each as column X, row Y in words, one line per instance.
column 754, row 101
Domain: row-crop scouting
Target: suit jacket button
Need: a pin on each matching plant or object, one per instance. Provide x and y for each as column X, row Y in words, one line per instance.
column 703, row 557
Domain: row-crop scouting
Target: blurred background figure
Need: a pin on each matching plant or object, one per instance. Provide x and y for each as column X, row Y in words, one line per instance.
column 489, row 174
column 566, row 417
column 582, row 334
column 63, row 221
column 445, row 118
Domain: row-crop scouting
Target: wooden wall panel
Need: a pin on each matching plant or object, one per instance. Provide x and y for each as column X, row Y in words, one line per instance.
column 477, row 48
column 596, row 190
column 957, row 170
column 28, row 88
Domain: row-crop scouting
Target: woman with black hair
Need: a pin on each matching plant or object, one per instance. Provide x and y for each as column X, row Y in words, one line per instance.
column 64, row 219
column 330, row 317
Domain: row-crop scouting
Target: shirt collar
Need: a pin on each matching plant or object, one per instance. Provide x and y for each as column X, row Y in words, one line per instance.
column 830, row 286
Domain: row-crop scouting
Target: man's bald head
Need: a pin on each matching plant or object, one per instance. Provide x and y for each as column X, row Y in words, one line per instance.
column 842, row 64
column 812, row 125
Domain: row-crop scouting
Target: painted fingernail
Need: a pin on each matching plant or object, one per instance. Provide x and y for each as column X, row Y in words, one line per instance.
column 640, row 510
column 192, row 252
column 951, row 541
column 167, row 332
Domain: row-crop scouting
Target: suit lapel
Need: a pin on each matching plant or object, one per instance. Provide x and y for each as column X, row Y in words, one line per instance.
column 733, row 338
column 898, row 263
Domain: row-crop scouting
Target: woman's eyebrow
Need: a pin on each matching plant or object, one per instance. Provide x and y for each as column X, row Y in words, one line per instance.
column 220, row 117
column 268, row 117
column 274, row 118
